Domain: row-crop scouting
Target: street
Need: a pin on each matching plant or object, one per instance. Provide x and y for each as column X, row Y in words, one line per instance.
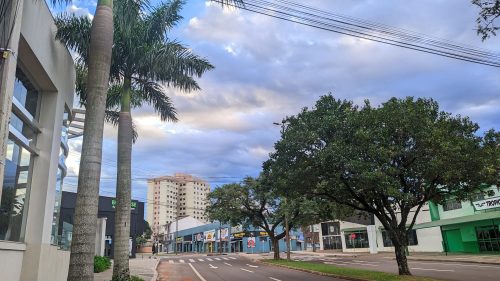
column 230, row 267
column 457, row 271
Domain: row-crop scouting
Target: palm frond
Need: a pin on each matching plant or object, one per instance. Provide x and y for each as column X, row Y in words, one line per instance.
column 173, row 64
column 153, row 94
column 162, row 19
column 74, row 32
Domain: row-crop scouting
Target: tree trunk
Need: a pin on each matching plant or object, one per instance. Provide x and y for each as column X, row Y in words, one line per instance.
column 276, row 246
column 81, row 267
column 123, row 188
column 400, row 241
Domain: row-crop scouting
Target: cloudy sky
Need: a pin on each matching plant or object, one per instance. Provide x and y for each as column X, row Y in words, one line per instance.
column 267, row 69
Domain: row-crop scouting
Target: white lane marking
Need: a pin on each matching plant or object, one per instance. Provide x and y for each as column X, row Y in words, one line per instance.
column 211, row 266
column 197, row 273
column 209, row 259
column 182, row 261
column 228, row 264
column 233, row 258
column 191, row 260
column 274, row 279
column 246, row 270
column 200, row 259
column 170, row 261
column 457, row 264
column 226, row 259
column 430, row 269
column 255, row 266
column 217, row 259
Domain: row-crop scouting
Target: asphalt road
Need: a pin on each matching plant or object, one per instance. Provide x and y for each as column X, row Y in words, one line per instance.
column 227, row 268
column 457, row 271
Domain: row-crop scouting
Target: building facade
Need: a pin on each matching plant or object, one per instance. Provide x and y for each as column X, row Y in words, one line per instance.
column 106, row 211
column 37, row 87
column 173, row 197
column 471, row 226
column 220, row 238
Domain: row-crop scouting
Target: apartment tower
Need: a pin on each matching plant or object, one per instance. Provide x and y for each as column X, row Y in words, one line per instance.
column 177, row 196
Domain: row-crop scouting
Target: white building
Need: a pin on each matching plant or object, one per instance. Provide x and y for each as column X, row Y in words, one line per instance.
column 37, row 89
column 172, row 197
column 368, row 235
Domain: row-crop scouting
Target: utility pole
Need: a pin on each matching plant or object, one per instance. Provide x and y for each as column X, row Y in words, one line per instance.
column 287, row 230
column 220, row 237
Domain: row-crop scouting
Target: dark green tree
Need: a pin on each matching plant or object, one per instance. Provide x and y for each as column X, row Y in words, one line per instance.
column 255, row 203
column 387, row 161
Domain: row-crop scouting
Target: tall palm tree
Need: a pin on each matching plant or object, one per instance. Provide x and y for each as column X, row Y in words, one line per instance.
column 143, row 59
column 98, row 54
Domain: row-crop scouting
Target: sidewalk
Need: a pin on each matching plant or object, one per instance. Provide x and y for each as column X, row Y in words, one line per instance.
column 142, row 266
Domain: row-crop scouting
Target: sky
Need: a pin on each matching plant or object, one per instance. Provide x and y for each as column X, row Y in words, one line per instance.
column 267, row 69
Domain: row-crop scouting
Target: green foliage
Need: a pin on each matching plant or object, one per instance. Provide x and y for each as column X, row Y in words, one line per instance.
column 490, row 11
column 147, row 230
column 388, row 160
column 346, row 272
column 142, row 53
column 101, row 264
column 131, row 278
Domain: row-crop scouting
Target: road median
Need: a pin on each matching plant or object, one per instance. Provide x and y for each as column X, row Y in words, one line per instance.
column 345, row 273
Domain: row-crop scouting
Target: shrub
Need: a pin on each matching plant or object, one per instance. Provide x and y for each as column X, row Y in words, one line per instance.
column 101, row 263
column 135, row 278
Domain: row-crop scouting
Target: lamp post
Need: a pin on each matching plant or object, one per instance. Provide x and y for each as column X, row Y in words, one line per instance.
column 287, row 231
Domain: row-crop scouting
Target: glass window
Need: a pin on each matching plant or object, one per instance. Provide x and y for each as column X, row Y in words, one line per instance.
column 25, row 93
column 330, row 228
column 452, row 205
column 356, row 239
column 412, row 239
column 488, row 238
column 22, row 127
column 14, row 192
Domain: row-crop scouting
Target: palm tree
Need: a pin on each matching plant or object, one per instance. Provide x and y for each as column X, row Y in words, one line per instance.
column 143, row 59
column 98, row 54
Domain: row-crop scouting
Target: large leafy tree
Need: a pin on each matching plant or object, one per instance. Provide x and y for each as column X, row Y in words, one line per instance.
column 144, row 60
column 254, row 202
column 388, row 160
column 489, row 12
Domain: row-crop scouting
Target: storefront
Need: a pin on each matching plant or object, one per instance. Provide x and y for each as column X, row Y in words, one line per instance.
column 209, row 241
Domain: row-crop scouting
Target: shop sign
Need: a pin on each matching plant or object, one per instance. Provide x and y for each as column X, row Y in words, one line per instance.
column 209, row 235
column 251, row 242
column 179, row 239
column 200, row 236
column 262, row 233
column 487, row 204
column 239, row 235
column 224, row 234
column 353, row 236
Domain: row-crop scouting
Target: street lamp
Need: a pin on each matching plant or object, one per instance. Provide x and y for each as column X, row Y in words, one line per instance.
column 287, row 231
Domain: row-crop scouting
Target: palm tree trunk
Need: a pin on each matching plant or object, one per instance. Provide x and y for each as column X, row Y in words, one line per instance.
column 81, row 267
column 123, row 187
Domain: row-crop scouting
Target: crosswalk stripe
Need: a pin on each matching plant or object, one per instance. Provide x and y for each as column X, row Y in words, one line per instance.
column 209, row 259
column 170, row 261
column 226, row 259
column 246, row 270
column 182, row 261
column 228, row 264
column 233, row 258
column 191, row 260
column 200, row 259
column 217, row 259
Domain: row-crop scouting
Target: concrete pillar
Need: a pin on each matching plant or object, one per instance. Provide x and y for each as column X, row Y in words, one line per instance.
column 100, row 237
column 372, row 238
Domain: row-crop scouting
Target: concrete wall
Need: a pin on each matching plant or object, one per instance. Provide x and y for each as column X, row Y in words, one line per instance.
column 49, row 66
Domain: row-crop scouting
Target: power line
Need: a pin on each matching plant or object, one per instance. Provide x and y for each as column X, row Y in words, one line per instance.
column 316, row 18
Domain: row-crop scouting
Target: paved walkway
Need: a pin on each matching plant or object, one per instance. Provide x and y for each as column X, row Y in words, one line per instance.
column 142, row 266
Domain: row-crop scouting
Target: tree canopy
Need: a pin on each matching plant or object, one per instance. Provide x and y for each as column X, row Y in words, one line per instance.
column 388, row 160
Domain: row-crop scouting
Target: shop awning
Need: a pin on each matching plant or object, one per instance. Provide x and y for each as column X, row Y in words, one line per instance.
column 464, row 219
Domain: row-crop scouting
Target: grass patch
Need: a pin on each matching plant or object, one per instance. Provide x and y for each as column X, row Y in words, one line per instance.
column 347, row 272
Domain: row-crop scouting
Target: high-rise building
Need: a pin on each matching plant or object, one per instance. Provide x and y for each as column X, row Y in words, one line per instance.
column 177, row 196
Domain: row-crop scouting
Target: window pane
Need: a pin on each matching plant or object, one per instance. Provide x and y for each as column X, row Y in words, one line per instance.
column 15, row 184
column 25, row 93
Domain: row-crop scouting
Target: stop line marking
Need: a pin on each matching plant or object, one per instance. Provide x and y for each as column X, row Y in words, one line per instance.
column 252, row 265
column 227, row 264
column 246, row 270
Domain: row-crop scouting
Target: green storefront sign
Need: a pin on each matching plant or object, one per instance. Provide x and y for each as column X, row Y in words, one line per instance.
column 133, row 204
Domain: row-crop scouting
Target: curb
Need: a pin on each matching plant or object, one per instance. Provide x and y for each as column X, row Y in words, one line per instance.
column 452, row 261
column 155, row 270
column 315, row 272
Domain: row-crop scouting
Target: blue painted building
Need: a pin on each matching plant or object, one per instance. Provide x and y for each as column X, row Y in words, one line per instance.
column 210, row 238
